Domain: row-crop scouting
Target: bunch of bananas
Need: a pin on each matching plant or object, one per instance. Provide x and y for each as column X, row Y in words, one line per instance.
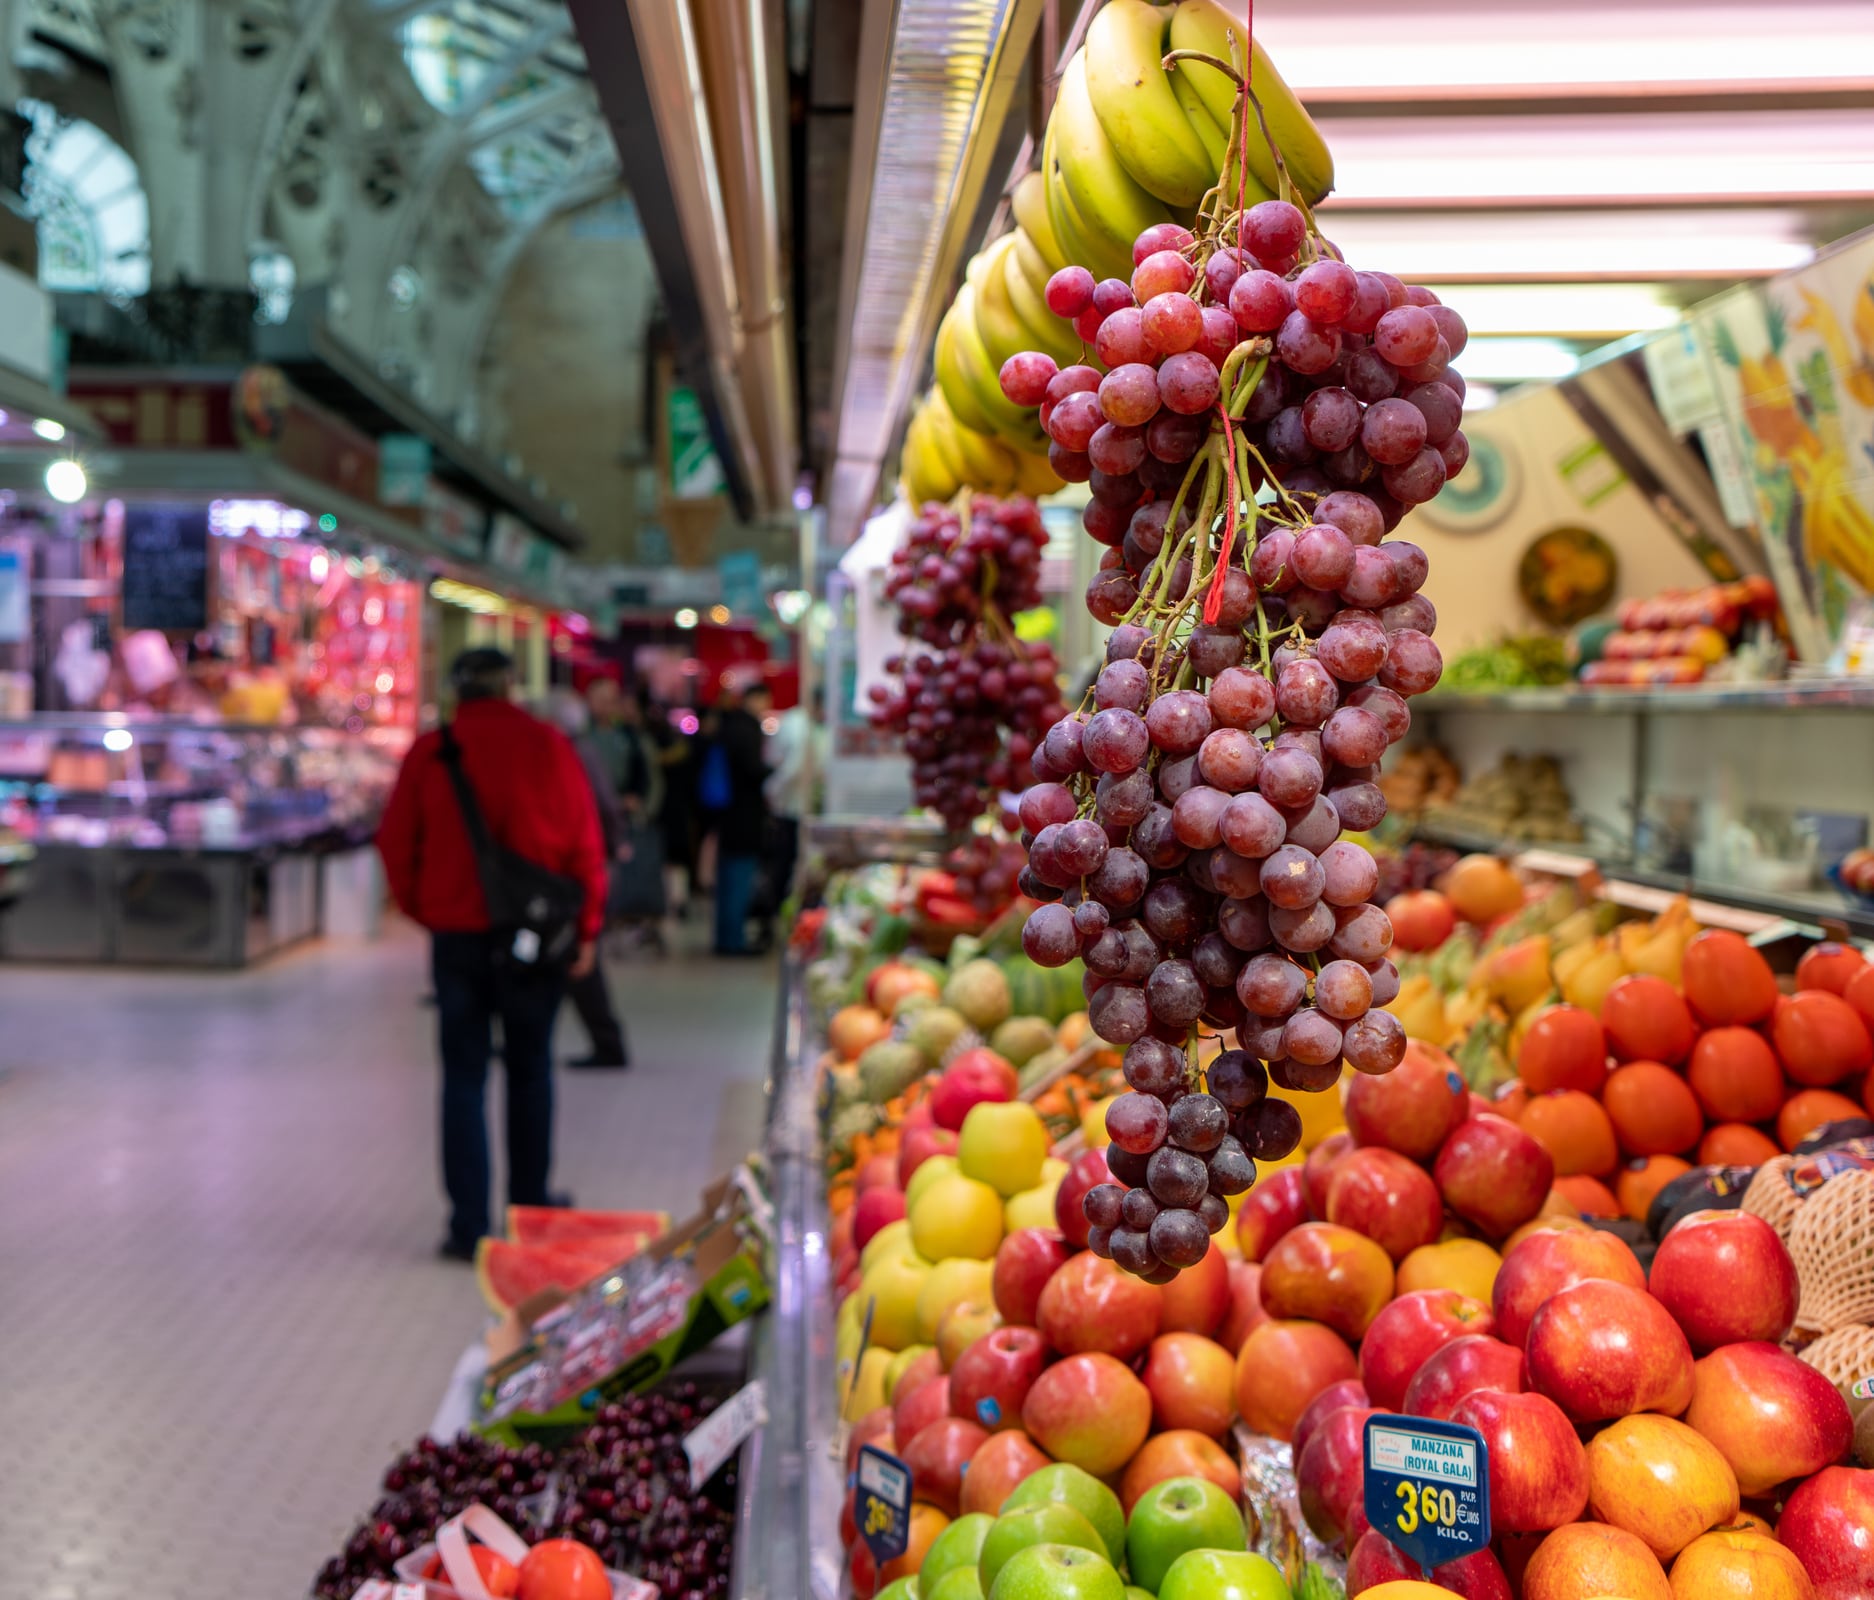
column 1129, row 144
column 941, row 456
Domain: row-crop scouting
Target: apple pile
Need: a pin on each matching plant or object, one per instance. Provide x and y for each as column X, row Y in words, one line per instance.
column 1417, row 1263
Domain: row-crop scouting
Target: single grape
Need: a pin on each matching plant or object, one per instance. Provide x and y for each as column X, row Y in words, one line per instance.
column 1125, row 1166
column 1105, row 957
column 1251, row 826
column 1123, row 799
column 1414, row 612
column 1244, row 921
column 1222, row 270
column 1292, row 878
column 1112, row 294
column 1154, row 1067
column 1236, row 1079
column 1099, row 1240
column 1161, row 236
column 1451, row 328
column 1176, row 1177
column 1132, row 1252
column 1353, row 647
column 1289, row 777
column 1197, row 818
column 1361, row 805
column 1100, row 1204
column 1323, row 555
column 1045, row 803
column 1371, row 302
column 1414, row 664
column 1175, row 993
column 1172, row 323
column 1137, row 1208
column 1188, row 383
column 1343, row 990
column 1162, row 272
column 1129, row 396
column 1304, row 1077
column 1118, row 1013
column 1273, row 1128
column 1262, row 1037
column 1374, row 582
column 1364, row 934
column 1179, row 722
column 1312, row 827
column 1121, row 340
column 1270, row 986
column 1116, row 451
column 1091, row 918
column 1241, row 699
column 1049, row 938
column 1385, row 982
column 1350, row 874
column 1122, row 685
column 1405, row 335
column 1216, row 960
column 1273, row 230
column 1076, row 379
column 1228, row 760
column 1353, row 737
column 1072, row 466
column 1121, row 879
column 1198, row 1123
column 1025, row 377
column 1305, row 693
column 1212, row 650
column 1115, row 740
column 1173, row 911
column 1287, row 438
column 1393, row 431
column 1179, row 1237
column 1231, row 1170
column 1110, row 595
column 1070, row 292
column 1075, row 420
column 1438, row 403
column 1375, row 1044
column 1455, row 451
column 1419, row 480
column 1137, row 1122
column 1327, row 291
column 1304, row 346
column 1369, row 377
column 1354, row 514
column 1302, row 930
column 1220, row 336
column 1175, row 438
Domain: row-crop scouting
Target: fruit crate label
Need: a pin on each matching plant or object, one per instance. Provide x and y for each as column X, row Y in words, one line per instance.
column 1428, row 1487
column 720, row 1434
column 883, row 1503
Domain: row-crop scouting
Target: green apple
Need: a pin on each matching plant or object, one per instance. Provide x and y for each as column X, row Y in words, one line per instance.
column 960, row 1583
column 1078, row 1488
column 1058, row 1572
column 1134, row 1592
column 1049, row 1523
column 904, row 1589
column 959, row 1545
column 1223, row 1575
column 1177, row 1515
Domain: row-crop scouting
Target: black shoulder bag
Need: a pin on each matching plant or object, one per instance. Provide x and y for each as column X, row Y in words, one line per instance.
column 533, row 910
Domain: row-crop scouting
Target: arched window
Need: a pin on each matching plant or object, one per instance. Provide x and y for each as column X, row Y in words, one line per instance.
column 88, row 205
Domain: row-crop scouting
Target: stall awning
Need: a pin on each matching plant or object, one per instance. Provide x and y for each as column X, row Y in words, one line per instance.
column 26, row 395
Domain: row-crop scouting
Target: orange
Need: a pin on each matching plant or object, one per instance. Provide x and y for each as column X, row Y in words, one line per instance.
column 1589, row 1196
column 1647, row 1020
column 1574, row 1129
column 1653, row 1111
column 1735, row 1075
column 1820, row 1037
column 1829, row 966
column 1807, row 1110
column 1641, row 1181
column 1726, row 979
column 1735, row 1144
column 1563, row 1048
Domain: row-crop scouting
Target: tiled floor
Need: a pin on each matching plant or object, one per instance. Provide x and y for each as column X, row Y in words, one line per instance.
column 219, row 1312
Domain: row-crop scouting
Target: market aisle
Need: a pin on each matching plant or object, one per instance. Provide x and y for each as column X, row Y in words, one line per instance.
column 219, row 1311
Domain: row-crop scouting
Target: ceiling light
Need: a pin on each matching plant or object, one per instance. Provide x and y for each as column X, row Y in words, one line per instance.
column 719, row 615
column 46, row 428
column 1506, row 360
column 66, row 481
column 1577, row 310
column 1479, row 396
column 685, row 617
column 118, row 740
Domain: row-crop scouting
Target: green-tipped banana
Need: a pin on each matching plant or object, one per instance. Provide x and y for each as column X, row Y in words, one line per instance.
column 1216, row 139
column 1205, row 26
column 1103, row 260
column 1029, row 202
column 1109, row 204
column 1133, row 99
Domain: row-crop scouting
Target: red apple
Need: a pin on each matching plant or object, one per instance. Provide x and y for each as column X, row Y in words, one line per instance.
column 1462, row 1368
column 1336, row 1396
column 875, row 1172
column 1318, row 1170
column 1387, row 1197
column 1025, row 1261
column 1538, row 1470
column 869, row 1429
column 1422, row 919
column 919, row 1145
column 1330, row 1473
column 1192, row 1381
column 975, row 1076
column 1089, row 1169
column 1414, row 1108
column 1089, row 1410
column 919, row 1370
column 1829, row 1524
column 1726, row 1278
column 1407, row 1333
column 1493, row 1174
column 1197, row 1300
column 919, row 1405
column 1771, row 1416
column 1278, row 1203
column 1090, row 1304
column 873, row 1209
column 1546, row 1263
column 997, row 1468
column 1478, row 1576
column 1182, row 1453
column 1329, row 1274
column 1284, row 1365
column 1600, row 1350
column 1245, row 1305
column 992, row 1377
column 938, row 1456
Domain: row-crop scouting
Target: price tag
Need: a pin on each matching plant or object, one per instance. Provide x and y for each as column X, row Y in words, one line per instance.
column 1428, row 1487
column 882, row 1505
column 1863, row 1388
column 720, row 1434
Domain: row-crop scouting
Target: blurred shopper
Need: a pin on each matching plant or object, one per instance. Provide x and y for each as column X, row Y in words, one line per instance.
column 590, row 994
column 789, row 793
column 674, row 752
column 636, row 903
column 494, row 808
column 733, row 774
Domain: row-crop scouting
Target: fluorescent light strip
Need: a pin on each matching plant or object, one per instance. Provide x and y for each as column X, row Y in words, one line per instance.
column 1355, row 49
column 1573, row 310
column 1516, row 360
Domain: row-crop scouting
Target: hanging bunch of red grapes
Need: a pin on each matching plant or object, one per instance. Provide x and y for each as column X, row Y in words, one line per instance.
column 1186, row 826
column 970, row 700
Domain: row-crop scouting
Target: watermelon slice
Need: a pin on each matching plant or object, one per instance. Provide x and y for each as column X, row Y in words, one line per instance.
column 566, row 1225
column 509, row 1273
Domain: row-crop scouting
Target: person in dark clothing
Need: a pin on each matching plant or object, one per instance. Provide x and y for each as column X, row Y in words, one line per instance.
column 741, row 826
column 532, row 792
column 590, row 994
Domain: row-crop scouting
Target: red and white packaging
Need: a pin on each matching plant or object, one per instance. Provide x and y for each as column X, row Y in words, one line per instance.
column 462, row 1580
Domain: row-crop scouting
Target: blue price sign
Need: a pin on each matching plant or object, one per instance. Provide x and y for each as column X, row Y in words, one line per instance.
column 1428, row 1487
column 882, row 1506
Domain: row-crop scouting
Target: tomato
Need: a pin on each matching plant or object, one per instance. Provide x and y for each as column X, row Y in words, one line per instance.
column 1820, row 1038
column 1563, row 1048
column 1646, row 1019
column 1727, row 981
column 1829, row 966
column 563, row 1569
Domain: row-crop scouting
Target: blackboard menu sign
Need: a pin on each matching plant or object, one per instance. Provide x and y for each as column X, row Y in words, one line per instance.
column 166, row 567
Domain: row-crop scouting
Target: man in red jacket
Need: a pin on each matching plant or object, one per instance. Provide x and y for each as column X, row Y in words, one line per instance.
column 533, row 795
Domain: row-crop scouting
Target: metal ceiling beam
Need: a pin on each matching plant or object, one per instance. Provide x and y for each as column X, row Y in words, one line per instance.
column 501, row 120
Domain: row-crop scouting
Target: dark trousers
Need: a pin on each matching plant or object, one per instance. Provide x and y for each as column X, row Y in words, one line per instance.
column 592, row 999
column 471, row 991
column 735, row 893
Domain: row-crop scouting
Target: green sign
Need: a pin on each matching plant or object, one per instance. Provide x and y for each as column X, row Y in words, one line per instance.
column 402, row 469
column 695, row 473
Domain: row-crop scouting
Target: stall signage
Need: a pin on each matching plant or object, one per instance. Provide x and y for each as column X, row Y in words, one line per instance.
column 882, row 1503
column 455, row 522
column 166, row 567
column 1428, row 1487
column 403, row 462
column 695, row 473
column 720, row 1434
column 740, row 572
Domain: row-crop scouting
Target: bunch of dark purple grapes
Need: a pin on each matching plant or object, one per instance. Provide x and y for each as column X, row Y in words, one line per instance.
column 987, row 868
column 974, row 703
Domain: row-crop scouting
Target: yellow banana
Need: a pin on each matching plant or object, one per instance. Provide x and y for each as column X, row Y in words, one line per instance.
column 1002, row 332
column 945, row 437
column 948, row 362
column 1033, row 475
column 920, row 469
column 1110, row 205
column 1204, row 25
column 1044, row 331
column 1034, row 266
column 1214, row 136
column 1132, row 97
column 1029, row 201
column 988, row 463
column 1007, row 421
column 1100, row 258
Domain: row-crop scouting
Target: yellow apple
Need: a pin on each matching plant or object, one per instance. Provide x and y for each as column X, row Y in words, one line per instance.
column 929, row 1171
column 868, row 1393
column 899, row 1362
column 1003, row 1143
column 892, row 1239
column 1093, row 1124
column 951, row 1283
column 1465, row 1266
column 1032, row 1208
column 961, row 1326
column 892, row 1285
column 957, row 1216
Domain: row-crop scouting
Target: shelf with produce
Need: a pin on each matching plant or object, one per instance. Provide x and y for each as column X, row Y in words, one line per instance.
column 1794, row 694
